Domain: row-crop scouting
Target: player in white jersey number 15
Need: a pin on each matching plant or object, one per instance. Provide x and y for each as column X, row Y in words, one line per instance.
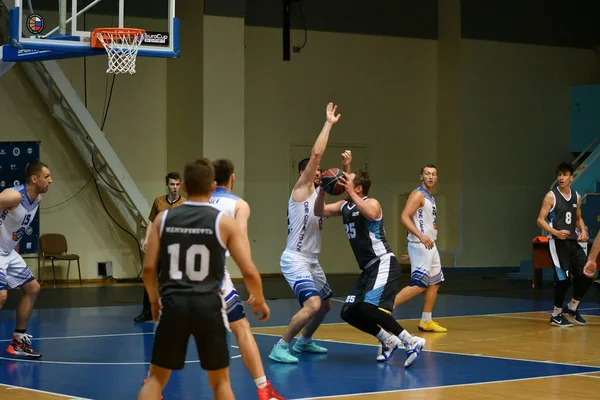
column 18, row 206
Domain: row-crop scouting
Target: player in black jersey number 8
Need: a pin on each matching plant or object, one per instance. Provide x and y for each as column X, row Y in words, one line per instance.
column 560, row 216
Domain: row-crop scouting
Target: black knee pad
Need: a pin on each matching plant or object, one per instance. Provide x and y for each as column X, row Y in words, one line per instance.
column 348, row 312
column 344, row 312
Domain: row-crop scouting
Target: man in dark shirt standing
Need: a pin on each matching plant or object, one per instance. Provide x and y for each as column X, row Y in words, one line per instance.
column 560, row 216
column 165, row 202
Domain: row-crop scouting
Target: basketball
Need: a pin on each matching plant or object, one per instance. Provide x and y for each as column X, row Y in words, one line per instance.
column 329, row 181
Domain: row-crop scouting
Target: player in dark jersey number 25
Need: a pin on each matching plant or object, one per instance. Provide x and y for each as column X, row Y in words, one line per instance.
column 191, row 242
column 369, row 305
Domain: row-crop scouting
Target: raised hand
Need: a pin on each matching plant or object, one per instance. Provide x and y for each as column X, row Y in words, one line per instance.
column 330, row 112
column 346, row 159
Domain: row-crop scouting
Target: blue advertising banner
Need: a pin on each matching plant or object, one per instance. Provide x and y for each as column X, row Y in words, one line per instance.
column 14, row 156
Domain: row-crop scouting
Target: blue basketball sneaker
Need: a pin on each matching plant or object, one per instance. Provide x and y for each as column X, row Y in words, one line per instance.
column 310, row 347
column 560, row 320
column 281, row 353
column 573, row 316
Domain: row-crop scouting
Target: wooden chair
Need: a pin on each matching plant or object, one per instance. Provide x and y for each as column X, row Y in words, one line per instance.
column 53, row 246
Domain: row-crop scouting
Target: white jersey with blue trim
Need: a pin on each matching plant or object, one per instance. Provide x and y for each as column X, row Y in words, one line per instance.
column 14, row 223
column 425, row 218
column 304, row 227
column 225, row 201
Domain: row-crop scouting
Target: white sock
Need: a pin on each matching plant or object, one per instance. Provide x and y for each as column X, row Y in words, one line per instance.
column 282, row 343
column 573, row 305
column 261, row 382
column 383, row 336
column 426, row 317
column 557, row 311
column 405, row 336
column 304, row 340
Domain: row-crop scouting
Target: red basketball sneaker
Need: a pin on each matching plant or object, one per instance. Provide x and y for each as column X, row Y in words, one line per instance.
column 268, row 393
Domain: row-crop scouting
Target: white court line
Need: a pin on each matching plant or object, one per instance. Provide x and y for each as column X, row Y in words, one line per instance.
column 503, row 315
column 91, row 363
column 11, row 387
column 79, row 362
column 285, row 326
column 441, row 387
column 458, row 354
column 589, row 376
column 86, row 336
column 444, row 317
column 538, row 319
column 95, row 363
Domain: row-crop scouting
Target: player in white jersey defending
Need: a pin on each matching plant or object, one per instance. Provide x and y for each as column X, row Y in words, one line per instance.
column 238, row 209
column 19, row 205
column 299, row 261
column 419, row 217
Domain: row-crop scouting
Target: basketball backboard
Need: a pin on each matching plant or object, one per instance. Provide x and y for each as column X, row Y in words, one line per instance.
column 63, row 28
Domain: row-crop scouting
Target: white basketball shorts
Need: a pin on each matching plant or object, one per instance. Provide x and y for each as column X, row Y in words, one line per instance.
column 426, row 267
column 13, row 271
column 305, row 276
column 233, row 304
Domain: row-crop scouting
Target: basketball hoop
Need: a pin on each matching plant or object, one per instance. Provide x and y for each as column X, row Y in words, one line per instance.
column 121, row 44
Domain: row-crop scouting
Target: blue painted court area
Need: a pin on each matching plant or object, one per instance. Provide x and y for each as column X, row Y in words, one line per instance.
column 98, row 353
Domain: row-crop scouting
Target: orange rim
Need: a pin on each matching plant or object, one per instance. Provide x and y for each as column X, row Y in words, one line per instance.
column 109, row 33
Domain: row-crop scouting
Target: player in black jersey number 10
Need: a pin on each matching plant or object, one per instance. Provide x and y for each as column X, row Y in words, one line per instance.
column 191, row 243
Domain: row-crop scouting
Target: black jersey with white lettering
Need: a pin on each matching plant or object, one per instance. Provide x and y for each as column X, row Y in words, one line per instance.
column 563, row 215
column 192, row 255
column 367, row 238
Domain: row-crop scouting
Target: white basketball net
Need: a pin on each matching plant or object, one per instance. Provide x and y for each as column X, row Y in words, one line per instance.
column 122, row 51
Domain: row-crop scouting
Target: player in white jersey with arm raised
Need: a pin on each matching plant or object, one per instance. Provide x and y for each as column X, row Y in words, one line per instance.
column 299, row 261
column 420, row 218
column 238, row 209
column 18, row 207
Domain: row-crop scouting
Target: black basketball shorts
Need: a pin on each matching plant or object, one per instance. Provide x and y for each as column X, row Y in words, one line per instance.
column 568, row 258
column 378, row 284
column 198, row 315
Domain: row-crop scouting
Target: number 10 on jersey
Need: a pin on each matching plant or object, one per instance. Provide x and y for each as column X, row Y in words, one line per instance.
column 191, row 253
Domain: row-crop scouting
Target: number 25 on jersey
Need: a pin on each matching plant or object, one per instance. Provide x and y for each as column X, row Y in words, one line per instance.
column 191, row 253
column 350, row 230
